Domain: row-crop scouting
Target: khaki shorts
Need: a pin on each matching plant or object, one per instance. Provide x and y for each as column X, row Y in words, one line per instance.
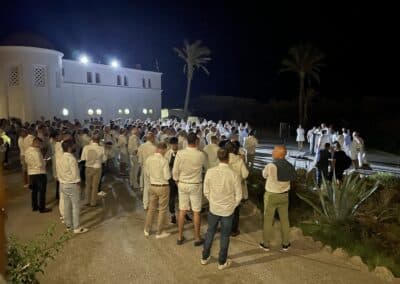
column 190, row 196
column 23, row 163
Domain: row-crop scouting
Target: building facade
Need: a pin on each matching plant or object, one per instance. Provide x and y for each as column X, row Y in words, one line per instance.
column 36, row 82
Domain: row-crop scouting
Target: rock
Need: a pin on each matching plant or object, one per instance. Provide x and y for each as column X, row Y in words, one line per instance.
column 308, row 238
column 319, row 244
column 339, row 252
column 383, row 273
column 327, row 249
column 356, row 260
column 296, row 233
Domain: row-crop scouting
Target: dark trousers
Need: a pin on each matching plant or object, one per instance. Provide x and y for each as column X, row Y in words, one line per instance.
column 235, row 220
column 173, row 194
column 6, row 153
column 322, row 171
column 57, row 190
column 226, row 227
column 104, row 170
column 82, row 170
column 38, row 187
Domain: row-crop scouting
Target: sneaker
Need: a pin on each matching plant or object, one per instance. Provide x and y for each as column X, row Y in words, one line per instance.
column 101, row 193
column 45, row 210
column 234, row 234
column 162, row 235
column 286, row 247
column 198, row 243
column 180, row 242
column 69, row 229
column 80, row 230
column 146, row 234
column 264, row 247
column 225, row 265
column 173, row 219
column 205, row 261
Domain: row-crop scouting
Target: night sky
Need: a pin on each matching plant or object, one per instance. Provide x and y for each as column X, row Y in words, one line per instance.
column 247, row 41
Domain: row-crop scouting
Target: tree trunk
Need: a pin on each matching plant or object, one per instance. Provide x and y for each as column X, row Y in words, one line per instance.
column 2, row 224
column 187, row 97
column 301, row 95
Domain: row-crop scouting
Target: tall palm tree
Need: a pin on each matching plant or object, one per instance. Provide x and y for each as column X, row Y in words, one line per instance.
column 306, row 61
column 195, row 56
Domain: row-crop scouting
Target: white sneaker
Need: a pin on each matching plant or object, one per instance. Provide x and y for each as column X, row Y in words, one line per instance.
column 101, row 193
column 146, row 234
column 80, row 230
column 205, row 261
column 162, row 235
column 225, row 265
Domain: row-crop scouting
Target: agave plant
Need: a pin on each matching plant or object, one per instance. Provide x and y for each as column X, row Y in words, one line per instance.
column 339, row 201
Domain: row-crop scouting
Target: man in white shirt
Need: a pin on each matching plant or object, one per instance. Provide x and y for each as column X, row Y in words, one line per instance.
column 123, row 152
column 70, row 187
column 144, row 151
column 279, row 174
column 21, row 145
column 211, row 151
column 158, row 173
column 94, row 156
column 133, row 145
column 36, row 166
column 250, row 144
column 223, row 189
column 187, row 172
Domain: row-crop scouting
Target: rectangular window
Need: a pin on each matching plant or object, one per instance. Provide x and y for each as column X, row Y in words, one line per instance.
column 119, row 80
column 125, row 81
column 39, row 76
column 63, row 72
column 143, row 83
column 98, row 78
column 149, row 83
column 89, row 78
column 13, row 77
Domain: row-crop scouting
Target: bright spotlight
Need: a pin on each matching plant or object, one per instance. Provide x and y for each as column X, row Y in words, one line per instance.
column 98, row 111
column 126, row 111
column 90, row 111
column 144, row 111
column 84, row 59
column 65, row 112
column 115, row 63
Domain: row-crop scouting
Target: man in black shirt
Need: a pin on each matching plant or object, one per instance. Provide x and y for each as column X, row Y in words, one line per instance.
column 340, row 161
column 323, row 161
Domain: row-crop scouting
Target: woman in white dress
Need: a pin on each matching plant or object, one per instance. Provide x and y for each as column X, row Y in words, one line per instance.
column 300, row 137
column 357, row 150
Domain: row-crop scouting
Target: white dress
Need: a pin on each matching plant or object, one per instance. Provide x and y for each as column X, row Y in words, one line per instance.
column 300, row 135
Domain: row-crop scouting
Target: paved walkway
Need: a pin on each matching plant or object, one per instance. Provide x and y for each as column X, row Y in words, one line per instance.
column 115, row 250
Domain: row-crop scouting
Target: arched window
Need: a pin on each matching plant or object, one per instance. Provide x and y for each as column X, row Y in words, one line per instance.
column 149, row 83
column 125, row 81
column 119, row 80
column 143, row 83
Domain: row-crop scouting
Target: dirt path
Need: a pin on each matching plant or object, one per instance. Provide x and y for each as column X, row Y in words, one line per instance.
column 115, row 250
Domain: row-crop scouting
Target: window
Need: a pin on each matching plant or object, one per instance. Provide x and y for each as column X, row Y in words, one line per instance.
column 97, row 78
column 39, row 76
column 98, row 111
column 90, row 111
column 58, row 80
column 64, row 112
column 143, row 83
column 63, row 72
column 89, row 78
column 13, row 78
column 144, row 111
column 119, row 80
column 149, row 83
column 126, row 111
column 125, row 81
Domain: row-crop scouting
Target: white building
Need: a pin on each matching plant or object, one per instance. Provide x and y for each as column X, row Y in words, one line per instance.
column 37, row 82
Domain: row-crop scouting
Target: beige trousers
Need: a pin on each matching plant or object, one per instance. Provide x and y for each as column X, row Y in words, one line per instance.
column 159, row 197
column 92, row 176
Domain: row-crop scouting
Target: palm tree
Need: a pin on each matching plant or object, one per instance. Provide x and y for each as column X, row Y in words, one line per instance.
column 310, row 93
column 306, row 61
column 195, row 56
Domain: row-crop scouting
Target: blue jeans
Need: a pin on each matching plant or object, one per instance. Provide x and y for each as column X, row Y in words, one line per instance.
column 226, row 227
column 71, row 204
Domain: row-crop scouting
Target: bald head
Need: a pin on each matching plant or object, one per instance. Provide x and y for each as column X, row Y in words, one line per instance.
column 279, row 152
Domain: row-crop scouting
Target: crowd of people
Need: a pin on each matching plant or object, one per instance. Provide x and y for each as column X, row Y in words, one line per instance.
column 170, row 161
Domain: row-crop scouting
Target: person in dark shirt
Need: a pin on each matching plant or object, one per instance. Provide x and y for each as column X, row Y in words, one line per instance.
column 340, row 161
column 323, row 161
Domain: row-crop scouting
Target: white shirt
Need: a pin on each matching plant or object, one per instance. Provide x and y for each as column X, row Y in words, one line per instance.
column 212, row 159
column 145, row 150
column 94, row 155
column 250, row 145
column 272, row 184
column 28, row 142
column 188, row 165
column 21, row 146
column 122, row 144
column 68, row 169
column 34, row 161
column 222, row 189
column 133, row 144
column 157, row 169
